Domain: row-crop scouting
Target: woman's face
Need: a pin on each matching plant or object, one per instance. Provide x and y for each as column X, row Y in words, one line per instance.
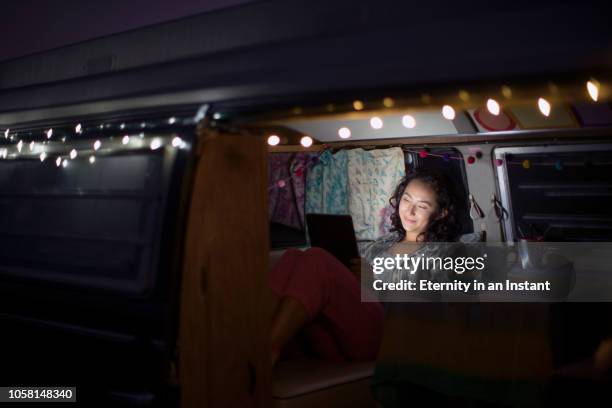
column 417, row 206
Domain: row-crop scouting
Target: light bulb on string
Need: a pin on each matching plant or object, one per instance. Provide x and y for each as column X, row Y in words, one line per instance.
column 49, row 133
column 19, row 146
column 408, row 121
column 73, row 154
column 306, row 141
column 376, row 123
column 506, row 91
column 448, row 112
column 273, row 140
column 125, row 140
column 544, row 106
column 177, row 142
column 6, row 133
column 97, row 145
column 593, row 89
column 65, row 163
column 42, row 156
column 358, row 105
column 31, row 146
column 344, row 132
column 78, row 128
column 493, row 106
column 92, row 159
column 172, row 120
column 58, row 161
column 155, row 144
column 122, row 126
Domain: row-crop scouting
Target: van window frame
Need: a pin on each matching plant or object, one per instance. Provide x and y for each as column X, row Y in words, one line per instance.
column 503, row 183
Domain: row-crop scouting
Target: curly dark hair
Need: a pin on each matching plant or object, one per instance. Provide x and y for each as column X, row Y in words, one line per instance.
column 440, row 229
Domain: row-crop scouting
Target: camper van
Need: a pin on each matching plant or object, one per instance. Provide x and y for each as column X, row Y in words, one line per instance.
column 161, row 187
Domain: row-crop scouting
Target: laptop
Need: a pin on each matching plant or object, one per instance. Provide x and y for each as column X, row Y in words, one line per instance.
column 335, row 234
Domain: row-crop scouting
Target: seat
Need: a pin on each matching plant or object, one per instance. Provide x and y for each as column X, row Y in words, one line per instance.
column 309, row 382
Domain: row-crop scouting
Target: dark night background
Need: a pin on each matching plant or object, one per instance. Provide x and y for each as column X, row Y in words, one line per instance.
column 31, row 26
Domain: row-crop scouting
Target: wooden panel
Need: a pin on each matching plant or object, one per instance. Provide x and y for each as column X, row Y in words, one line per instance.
column 225, row 297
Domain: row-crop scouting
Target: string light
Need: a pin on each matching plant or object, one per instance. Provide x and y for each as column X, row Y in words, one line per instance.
column 506, row 91
column 172, row 120
column 58, row 161
column 49, row 133
column 155, row 144
column 3, row 153
column 73, row 154
column 544, row 106
column 6, row 133
column 273, row 140
column 448, row 112
column 31, row 146
column 65, row 163
column 426, row 98
column 593, row 89
column 388, row 102
column 78, row 128
column 19, row 146
column 358, row 105
column 122, row 126
column 43, row 156
column 344, row 132
column 306, row 141
column 97, row 145
column 177, row 142
column 376, row 123
column 125, row 140
column 408, row 121
column 92, row 159
column 493, row 106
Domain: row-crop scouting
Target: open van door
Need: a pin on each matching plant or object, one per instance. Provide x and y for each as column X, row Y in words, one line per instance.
column 225, row 297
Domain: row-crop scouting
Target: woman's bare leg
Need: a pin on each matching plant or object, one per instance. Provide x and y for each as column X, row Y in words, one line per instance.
column 289, row 318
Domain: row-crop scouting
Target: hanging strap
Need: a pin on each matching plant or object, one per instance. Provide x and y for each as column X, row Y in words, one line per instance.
column 500, row 212
column 475, row 210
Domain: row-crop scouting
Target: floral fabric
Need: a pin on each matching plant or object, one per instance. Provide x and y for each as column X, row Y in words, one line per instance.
column 327, row 184
column 372, row 178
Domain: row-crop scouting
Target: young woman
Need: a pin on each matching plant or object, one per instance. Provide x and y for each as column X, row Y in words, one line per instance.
column 319, row 296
